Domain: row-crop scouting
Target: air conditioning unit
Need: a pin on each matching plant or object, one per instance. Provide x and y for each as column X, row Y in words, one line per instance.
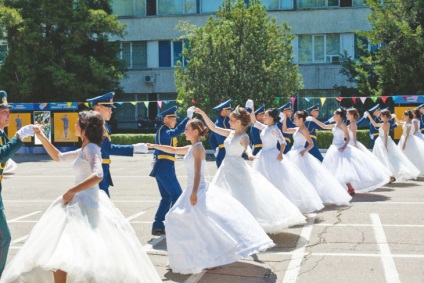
column 335, row 59
column 149, row 79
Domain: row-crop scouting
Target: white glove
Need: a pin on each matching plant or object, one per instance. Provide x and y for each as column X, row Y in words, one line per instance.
column 282, row 116
column 331, row 120
column 366, row 114
column 249, row 103
column 393, row 116
column 26, row 131
column 309, row 118
column 140, row 147
column 190, row 112
column 216, row 152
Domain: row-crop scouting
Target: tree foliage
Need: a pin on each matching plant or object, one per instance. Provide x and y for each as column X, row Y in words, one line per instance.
column 397, row 67
column 59, row 49
column 240, row 53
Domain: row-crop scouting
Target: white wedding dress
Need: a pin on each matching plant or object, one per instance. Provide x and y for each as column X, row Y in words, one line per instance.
column 353, row 166
column 414, row 148
column 418, row 134
column 394, row 159
column 217, row 230
column 89, row 238
column 266, row 203
column 284, row 174
column 324, row 182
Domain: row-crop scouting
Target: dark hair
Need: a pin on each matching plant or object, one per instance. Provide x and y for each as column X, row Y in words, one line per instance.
column 341, row 112
column 409, row 114
column 354, row 112
column 275, row 114
column 92, row 124
column 302, row 114
column 386, row 113
column 241, row 114
column 198, row 125
column 417, row 113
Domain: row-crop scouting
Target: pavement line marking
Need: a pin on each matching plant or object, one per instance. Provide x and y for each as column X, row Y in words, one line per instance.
column 389, row 266
column 141, row 222
column 134, row 216
column 46, row 200
column 153, row 243
column 297, row 256
column 18, row 240
column 370, row 225
column 24, row 216
column 195, row 277
column 368, row 255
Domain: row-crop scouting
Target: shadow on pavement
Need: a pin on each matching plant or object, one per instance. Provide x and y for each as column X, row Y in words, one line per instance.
column 367, row 197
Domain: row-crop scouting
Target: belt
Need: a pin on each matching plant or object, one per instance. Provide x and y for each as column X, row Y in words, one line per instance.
column 164, row 156
column 221, row 145
column 375, row 134
column 257, row 145
column 314, row 137
column 106, row 161
column 287, row 139
column 1, row 177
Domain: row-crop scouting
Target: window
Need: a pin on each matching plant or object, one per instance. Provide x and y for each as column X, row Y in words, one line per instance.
column 177, row 7
column 129, row 8
column 134, row 54
column 317, row 3
column 3, row 51
column 278, row 4
column 168, row 58
column 358, row 3
column 209, row 6
column 151, row 7
column 318, row 48
column 314, row 96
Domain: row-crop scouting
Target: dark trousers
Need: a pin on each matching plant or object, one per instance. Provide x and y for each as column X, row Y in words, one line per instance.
column 5, row 239
column 220, row 157
column 315, row 150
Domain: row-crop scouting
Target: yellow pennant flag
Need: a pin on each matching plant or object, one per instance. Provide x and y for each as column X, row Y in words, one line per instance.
column 179, row 101
column 87, row 104
column 322, row 100
column 134, row 102
column 69, row 104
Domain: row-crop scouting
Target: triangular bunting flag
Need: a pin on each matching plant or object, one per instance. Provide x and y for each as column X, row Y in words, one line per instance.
column 415, row 98
column 160, row 103
column 405, row 97
column 179, row 101
column 374, row 98
column 292, row 100
column 87, row 104
column 395, row 97
column 339, row 99
column 166, row 101
column 146, row 103
column 69, row 104
column 277, row 100
column 307, row 99
column 384, row 98
column 134, row 103
column 119, row 103
column 322, row 100
column 354, row 99
column 363, row 99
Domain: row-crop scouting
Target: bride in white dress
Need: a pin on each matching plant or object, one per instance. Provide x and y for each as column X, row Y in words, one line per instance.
column 350, row 165
column 389, row 154
column 82, row 237
column 416, row 121
column 324, row 182
column 207, row 227
column 280, row 171
column 266, row 203
column 352, row 116
column 411, row 145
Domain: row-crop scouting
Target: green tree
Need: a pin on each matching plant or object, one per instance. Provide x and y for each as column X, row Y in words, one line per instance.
column 59, row 50
column 397, row 67
column 240, row 53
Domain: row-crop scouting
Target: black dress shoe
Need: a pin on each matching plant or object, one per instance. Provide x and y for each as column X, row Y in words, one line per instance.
column 158, row 232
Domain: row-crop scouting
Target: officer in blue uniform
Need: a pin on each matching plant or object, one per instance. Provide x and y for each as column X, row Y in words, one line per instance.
column 287, row 110
column 7, row 150
column 255, row 133
column 104, row 105
column 313, row 127
column 217, row 141
column 375, row 112
column 164, row 166
column 421, row 108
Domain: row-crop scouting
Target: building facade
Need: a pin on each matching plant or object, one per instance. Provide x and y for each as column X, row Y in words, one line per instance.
column 324, row 29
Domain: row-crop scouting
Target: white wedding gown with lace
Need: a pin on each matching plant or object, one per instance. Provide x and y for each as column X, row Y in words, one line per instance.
column 89, row 238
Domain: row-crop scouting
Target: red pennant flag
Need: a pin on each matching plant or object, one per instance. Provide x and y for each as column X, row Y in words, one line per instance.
column 384, row 98
column 354, row 99
column 193, row 101
column 405, row 97
column 339, row 99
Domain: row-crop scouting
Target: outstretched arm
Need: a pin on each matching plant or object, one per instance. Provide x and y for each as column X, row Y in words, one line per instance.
column 211, row 125
column 322, row 125
column 307, row 135
column 287, row 130
column 170, row 149
column 48, row 146
column 373, row 122
column 245, row 142
column 343, row 127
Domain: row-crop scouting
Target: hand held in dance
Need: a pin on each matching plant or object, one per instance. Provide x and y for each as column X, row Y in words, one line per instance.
column 190, row 112
column 67, row 197
column 302, row 153
column 37, row 131
column 150, row 145
column 280, row 156
column 140, row 147
column 25, row 132
column 341, row 149
column 249, row 104
column 193, row 198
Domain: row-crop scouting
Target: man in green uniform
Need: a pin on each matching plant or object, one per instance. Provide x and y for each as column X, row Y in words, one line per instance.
column 7, row 149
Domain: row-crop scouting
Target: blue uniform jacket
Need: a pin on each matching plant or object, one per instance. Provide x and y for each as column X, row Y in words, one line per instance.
column 287, row 137
column 216, row 140
column 108, row 149
column 422, row 124
column 255, row 137
column 166, row 136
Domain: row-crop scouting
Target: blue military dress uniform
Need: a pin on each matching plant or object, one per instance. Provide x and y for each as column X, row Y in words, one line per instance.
column 373, row 134
column 107, row 147
column 255, row 133
column 215, row 140
column 421, row 120
column 289, row 124
column 164, row 169
column 312, row 128
column 7, row 149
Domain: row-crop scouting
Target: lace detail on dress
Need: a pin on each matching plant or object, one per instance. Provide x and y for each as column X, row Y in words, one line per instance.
column 259, row 125
column 92, row 154
column 405, row 129
column 69, row 156
column 277, row 133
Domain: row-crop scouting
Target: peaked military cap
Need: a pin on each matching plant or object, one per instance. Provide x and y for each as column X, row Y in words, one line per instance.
column 376, row 107
column 3, row 98
column 287, row 106
column 224, row 106
column 313, row 107
column 260, row 110
column 105, row 100
column 170, row 112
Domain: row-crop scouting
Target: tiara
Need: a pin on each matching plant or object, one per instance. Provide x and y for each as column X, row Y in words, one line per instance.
column 237, row 111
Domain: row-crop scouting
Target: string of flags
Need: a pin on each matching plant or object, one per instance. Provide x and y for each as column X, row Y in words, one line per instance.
column 356, row 99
